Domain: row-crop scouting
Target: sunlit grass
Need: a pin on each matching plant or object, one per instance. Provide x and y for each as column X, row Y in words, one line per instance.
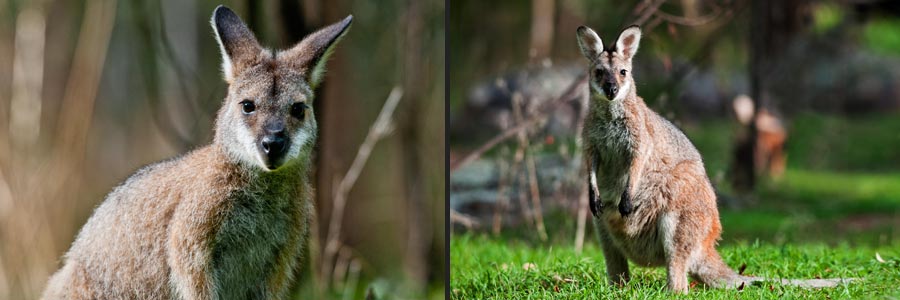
column 883, row 35
column 488, row 268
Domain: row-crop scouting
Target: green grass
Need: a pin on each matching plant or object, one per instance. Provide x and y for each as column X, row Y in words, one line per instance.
column 815, row 142
column 488, row 268
column 819, row 206
column 883, row 36
column 809, row 224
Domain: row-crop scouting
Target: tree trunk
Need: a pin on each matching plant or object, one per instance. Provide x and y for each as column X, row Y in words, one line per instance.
column 773, row 25
column 542, row 14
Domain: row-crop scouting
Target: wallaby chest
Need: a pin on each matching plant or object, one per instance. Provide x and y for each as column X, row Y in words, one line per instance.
column 256, row 228
column 611, row 133
column 608, row 133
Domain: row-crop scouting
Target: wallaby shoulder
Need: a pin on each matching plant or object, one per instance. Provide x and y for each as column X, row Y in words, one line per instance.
column 128, row 231
column 137, row 227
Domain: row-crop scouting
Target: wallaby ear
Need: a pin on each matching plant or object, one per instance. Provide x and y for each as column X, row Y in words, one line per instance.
column 590, row 43
column 239, row 47
column 310, row 55
column 627, row 43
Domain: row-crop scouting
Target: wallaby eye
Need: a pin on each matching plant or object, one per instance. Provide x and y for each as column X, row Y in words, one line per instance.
column 623, row 72
column 248, row 106
column 598, row 73
column 298, row 110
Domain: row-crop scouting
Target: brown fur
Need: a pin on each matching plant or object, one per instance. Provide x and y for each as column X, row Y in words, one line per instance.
column 220, row 222
column 643, row 165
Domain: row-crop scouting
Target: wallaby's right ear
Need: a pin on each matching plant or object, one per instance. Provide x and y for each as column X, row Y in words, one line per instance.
column 590, row 43
column 310, row 55
column 239, row 47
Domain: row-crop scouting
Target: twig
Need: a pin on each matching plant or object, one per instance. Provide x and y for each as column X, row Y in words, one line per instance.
column 519, row 157
column 540, row 115
column 647, row 12
column 582, row 219
column 524, row 207
column 702, row 20
column 652, row 24
column 500, row 206
column 537, row 214
column 350, row 285
column 27, row 79
column 381, row 128
column 344, row 256
column 535, row 196
column 462, row 219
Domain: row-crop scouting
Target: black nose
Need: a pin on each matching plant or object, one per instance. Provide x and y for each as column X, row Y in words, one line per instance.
column 274, row 146
column 610, row 89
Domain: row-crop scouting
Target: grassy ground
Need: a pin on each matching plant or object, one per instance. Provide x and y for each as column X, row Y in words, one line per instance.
column 806, row 234
column 814, row 230
column 836, row 207
column 488, row 268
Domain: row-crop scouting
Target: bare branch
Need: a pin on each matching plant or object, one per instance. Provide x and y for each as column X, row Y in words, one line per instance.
column 646, row 11
column 540, row 115
column 462, row 219
column 701, row 20
column 381, row 128
column 500, row 206
column 582, row 219
column 537, row 215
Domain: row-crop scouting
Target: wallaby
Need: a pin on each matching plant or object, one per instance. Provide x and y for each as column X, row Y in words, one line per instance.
column 652, row 201
column 771, row 136
column 230, row 220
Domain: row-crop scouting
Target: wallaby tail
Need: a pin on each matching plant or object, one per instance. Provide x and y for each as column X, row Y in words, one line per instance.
column 805, row 283
column 713, row 272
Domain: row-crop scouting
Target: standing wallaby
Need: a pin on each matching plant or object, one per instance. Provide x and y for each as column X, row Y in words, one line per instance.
column 648, row 189
column 230, row 220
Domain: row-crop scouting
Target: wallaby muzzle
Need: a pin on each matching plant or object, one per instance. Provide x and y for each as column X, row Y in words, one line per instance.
column 274, row 145
column 610, row 88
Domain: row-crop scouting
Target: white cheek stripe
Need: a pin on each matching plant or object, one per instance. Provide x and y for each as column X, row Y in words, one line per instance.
column 300, row 139
column 250, row 154
column 624, row 92
column 619, row 96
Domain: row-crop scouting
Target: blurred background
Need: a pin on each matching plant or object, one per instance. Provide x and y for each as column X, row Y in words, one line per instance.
column 793, row 104
column 92, row 90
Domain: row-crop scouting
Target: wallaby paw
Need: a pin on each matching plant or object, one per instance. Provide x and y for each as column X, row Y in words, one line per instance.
column 594, row 202
column 625, row 206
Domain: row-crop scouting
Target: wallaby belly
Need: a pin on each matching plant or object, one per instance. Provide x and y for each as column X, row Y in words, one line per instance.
column 636, row 235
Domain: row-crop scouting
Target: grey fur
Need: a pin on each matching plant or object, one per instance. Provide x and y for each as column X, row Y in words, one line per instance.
column 635, row 155
column 218, row 222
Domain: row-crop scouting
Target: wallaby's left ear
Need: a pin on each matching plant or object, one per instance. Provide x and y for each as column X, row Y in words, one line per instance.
column 310, row 55
column 589, row 42
column 628, row 41
column 240, row 50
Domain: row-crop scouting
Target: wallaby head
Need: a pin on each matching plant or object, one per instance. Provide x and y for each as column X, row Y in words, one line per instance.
column 610, row 68
column 266, row 120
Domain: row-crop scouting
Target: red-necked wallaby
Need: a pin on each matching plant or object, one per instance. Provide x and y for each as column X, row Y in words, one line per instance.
column 652, row 201
column 771, row 136
column 230, row 220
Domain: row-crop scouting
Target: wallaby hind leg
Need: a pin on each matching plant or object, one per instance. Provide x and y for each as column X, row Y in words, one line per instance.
column 616, row 263
column 676, row 273
column 679, row 244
